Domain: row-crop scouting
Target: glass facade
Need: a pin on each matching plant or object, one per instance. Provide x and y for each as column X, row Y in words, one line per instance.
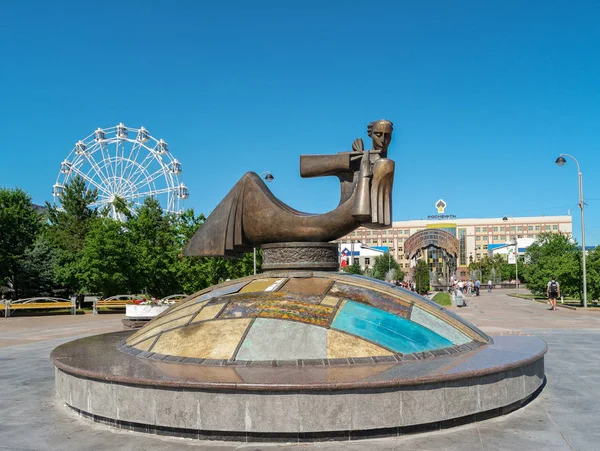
column 462, row 243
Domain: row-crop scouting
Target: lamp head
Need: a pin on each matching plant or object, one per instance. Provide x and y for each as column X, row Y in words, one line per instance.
column 560, row 161
column 505, row 219
column 269, row 177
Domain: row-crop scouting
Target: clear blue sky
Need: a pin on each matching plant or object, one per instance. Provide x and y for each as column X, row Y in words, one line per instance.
column 483, row 95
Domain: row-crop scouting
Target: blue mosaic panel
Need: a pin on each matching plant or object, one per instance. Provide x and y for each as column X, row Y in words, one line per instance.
column 387, row 329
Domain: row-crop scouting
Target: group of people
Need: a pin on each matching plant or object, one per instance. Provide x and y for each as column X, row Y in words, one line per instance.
column 469, row 287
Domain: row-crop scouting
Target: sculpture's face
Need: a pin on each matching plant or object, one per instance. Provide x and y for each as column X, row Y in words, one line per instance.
column 381, row 139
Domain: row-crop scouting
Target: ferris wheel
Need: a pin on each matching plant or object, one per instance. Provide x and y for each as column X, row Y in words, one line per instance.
column 125, row 165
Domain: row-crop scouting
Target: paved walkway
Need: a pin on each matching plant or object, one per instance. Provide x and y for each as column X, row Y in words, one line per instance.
column 563, row 417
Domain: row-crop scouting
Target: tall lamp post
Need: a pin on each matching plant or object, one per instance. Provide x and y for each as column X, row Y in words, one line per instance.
column 561, row 162
column 516, row 253
column 269, row 178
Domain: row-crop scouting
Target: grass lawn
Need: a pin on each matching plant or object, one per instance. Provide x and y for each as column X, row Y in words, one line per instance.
column 443, row 299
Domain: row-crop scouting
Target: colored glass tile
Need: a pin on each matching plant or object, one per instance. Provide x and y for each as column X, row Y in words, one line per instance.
column 371, row 297
column 316, row 286
column 271, row 339
column 305, row 312
column 330, row 300
column 208, row 312
column 261, row 285
column 208, row 340
column 162, row 327
column 384, row 328
column 438, row 326
column 341, row 345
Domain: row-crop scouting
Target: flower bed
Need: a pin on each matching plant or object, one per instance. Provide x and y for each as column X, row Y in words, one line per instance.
column 146, row 308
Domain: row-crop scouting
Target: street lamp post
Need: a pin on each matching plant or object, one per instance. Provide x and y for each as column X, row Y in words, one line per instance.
column 561, row 162
column 516, row 253
column 269, row 178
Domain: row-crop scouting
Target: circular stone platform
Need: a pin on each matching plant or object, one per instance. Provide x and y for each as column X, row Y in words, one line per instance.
column 298, row 355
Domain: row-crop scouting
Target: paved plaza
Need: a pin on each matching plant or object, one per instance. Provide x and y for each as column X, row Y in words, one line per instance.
column 563, row 417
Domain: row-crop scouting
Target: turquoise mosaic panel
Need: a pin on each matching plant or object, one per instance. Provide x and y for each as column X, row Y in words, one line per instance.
column 439, row 326
column 272, row 339
column 387, row 329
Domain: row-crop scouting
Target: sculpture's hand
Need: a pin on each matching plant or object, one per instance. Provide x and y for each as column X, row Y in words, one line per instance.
column 366, row 169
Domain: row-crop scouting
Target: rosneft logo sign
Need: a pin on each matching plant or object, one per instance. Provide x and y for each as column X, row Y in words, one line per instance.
column 441, row 206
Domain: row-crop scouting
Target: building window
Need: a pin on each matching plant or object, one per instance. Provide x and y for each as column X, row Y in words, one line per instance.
column 485, row 238
column 537, row 228
column 368, row 232
column 406, row 232
column 554, row 227
column 501, row 229
column 520, row 228
column 367, row 261
column 512, row 228
column 530, row 228
column 548, row 228
column 477, row 238
column 495, row 229
column 484, row 229
column 477, row 229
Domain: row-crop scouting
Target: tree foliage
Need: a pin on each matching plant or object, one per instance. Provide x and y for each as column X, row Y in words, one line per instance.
column 553, row 254
column 421, row 277
column 354, row 268
column 386, row 268
column 19, row 225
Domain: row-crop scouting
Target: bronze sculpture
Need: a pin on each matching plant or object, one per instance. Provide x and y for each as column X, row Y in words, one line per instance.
column 251, row 216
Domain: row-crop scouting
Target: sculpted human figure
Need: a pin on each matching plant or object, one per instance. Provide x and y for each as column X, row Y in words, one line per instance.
column 250, row 215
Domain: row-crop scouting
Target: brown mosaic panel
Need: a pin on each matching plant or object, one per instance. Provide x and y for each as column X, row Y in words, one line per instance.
column 304, row 312
column 372, row 297
column 314, row 286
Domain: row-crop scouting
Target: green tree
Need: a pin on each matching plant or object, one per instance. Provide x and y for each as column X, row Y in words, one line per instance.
column 19, row 225
column 35, row 275
column 385, row 267
column 354, row 268
column 106, row 264
column 592, row 264
column 156, row 249
column 421, row 277
column 553, row 254
column 67, row 230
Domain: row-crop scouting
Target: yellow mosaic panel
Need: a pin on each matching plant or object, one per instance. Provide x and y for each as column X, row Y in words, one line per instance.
column 330, row 300
column 259, row 285
column 341, row 345
column 208, row 312
column 155, row 330
column 187, row 311
column 209, row 340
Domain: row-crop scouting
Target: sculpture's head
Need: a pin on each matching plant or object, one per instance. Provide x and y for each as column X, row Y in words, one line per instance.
column 381, row 134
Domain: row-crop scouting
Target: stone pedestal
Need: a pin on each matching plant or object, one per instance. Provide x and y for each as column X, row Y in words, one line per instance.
column 300, row 256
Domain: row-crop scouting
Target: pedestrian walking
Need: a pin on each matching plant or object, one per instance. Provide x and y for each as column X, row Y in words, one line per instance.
column 490, row 286
column 477, row 286
column 470, row 287
column 553, row 292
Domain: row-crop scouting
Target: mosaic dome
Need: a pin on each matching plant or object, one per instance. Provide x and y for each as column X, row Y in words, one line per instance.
column 323, row 317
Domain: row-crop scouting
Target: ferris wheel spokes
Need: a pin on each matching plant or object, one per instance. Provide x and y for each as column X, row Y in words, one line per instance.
column 126, row 164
